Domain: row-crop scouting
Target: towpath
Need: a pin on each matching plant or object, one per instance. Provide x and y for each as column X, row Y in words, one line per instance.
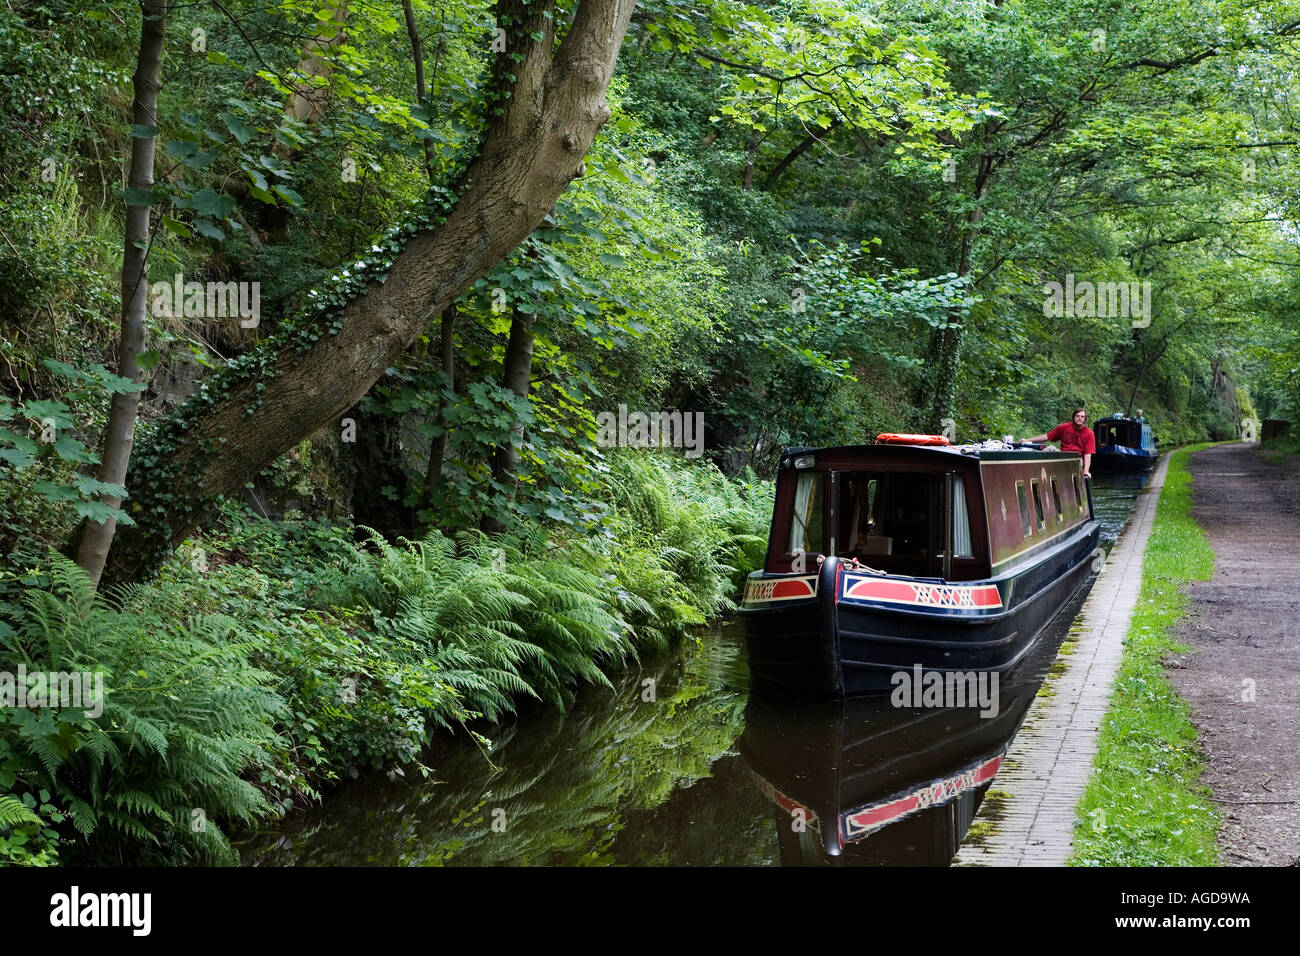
column 1051, row 757
column 1242, row 678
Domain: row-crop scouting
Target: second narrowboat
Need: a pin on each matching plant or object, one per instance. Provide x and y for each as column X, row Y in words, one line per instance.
column 1124, row 444
column 913, row 552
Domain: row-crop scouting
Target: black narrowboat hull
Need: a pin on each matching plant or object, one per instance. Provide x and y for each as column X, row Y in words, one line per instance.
column 1121, row 458
column 846, row 631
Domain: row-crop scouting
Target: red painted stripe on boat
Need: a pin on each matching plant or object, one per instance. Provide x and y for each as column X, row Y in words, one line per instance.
column 861, row 822
column 794, row 588
column 760, row 590
column 786, row 803
column 924, row 595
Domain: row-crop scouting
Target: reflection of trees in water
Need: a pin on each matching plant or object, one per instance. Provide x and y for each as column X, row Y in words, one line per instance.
column 566, row 786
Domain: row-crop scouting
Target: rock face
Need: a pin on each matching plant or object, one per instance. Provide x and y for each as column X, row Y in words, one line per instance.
column 178, row 377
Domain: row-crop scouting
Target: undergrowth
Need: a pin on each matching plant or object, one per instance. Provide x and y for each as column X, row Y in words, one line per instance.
column 270, row 659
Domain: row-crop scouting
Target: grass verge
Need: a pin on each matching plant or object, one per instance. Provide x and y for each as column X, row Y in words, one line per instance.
column 1145, row 804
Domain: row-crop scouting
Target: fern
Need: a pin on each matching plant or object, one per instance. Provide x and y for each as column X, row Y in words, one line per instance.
column 13, row 812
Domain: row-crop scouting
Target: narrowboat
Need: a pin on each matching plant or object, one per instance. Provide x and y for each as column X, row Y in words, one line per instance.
column 1124, row 444
column 913, row 552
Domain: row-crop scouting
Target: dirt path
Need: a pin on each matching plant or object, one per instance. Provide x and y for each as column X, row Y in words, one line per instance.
column 1245, row 627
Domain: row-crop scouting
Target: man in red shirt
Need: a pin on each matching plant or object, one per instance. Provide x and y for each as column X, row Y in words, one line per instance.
column 1074, row 436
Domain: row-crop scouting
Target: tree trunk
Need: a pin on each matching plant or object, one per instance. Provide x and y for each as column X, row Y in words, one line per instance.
column 298, row 380
column 307, row 102
column 438, row 451
column 788, row 160
column 944, row 356
column 751, row 154
column 97, row 537
column 417, row 54
column 517, row 375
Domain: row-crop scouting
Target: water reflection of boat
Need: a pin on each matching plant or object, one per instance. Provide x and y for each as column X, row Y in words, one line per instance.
column 912, row 551
column 1124, row 444
column 861, row 782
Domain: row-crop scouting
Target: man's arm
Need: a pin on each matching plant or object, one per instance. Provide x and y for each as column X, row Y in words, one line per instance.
column 1087, row 465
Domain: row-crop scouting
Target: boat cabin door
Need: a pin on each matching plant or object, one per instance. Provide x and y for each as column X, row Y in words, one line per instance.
column 900, row 522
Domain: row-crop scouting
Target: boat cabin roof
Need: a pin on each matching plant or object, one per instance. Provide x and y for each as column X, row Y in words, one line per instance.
column 847, row 456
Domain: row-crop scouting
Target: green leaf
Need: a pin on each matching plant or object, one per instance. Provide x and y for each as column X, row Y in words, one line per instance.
column 16, row 458
column 288, row 195
column 138, row 197
column 176, row 227
column 238, row 128
column 208, row 202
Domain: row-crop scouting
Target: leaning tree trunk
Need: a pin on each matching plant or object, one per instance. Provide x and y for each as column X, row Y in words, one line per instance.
column 517, row 375
column 97, row 536
column 296, row 382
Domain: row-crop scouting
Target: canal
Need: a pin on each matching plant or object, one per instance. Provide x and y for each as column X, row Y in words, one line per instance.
column 678, row 765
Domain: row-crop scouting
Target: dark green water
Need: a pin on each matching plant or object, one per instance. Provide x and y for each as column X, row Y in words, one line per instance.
column 679, row 766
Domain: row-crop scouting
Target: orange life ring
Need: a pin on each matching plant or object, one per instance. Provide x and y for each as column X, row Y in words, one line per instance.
column 890, row 438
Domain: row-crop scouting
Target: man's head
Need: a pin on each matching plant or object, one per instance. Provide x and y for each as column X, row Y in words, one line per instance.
column 1080, row 417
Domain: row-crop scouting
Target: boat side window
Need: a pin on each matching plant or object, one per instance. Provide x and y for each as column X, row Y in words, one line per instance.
column 1078, row 495
column 806, row 527
column 1056, row 500
column 1038, row 505
column 961, row 543
column 1024, row 508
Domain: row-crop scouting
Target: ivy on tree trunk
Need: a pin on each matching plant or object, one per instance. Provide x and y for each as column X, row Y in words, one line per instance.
column 551, row 103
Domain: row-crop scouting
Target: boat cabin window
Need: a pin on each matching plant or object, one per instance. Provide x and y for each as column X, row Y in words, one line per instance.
column 1078, row 495
column 894, row 521
column 1126, row 433
column 1024, row 509
column 1056, row 500
column 806, row 527
column 1038, row 505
